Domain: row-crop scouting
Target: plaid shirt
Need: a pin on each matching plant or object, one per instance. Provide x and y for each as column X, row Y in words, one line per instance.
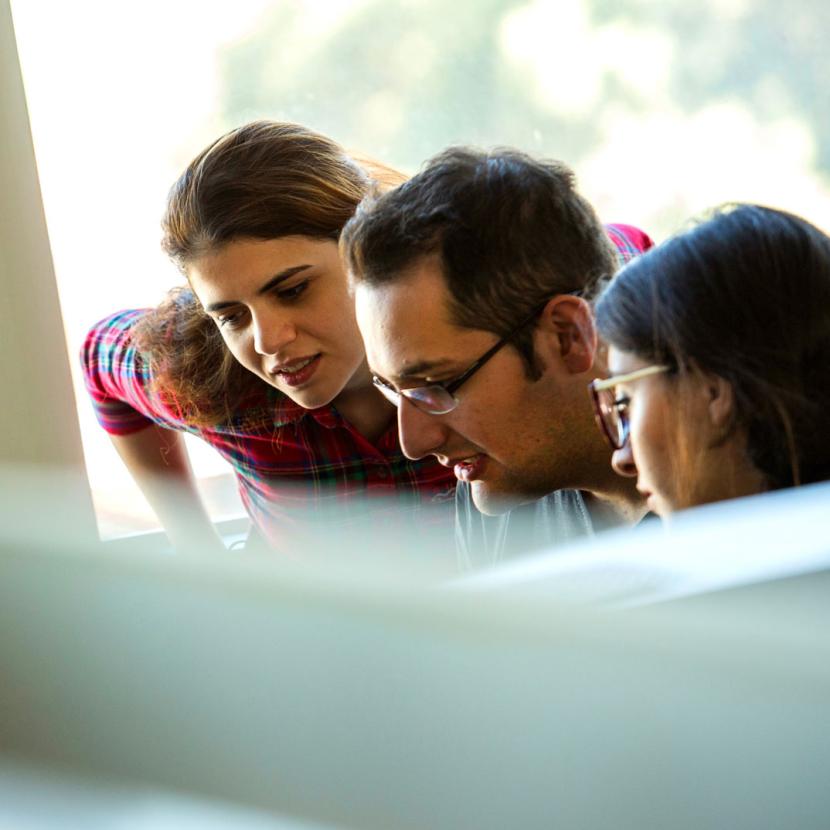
column 294, row 466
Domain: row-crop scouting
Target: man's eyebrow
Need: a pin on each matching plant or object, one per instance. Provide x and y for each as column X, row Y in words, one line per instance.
column 264, row 289
column 422, row 367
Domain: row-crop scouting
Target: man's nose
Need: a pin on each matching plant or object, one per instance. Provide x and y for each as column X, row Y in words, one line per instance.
column 420, row 433
column 273, row 331
column 623, row 461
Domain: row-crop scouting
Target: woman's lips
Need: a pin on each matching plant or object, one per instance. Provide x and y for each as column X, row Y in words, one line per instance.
column 470, row 469
column 298, row 372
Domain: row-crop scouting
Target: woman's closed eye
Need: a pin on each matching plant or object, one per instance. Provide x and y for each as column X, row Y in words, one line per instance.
column 292, row 292
column 231, row 320
column 236, row 319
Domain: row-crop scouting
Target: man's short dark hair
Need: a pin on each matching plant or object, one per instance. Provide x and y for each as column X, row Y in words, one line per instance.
column 510, row 231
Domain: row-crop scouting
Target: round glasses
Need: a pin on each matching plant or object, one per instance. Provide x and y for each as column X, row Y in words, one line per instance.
column 611, row 410
column 435, row 399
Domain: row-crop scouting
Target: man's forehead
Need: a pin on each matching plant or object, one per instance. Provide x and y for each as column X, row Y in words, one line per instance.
column 407, row 325
column 414, row 300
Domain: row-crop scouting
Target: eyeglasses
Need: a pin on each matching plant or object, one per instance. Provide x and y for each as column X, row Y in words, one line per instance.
column 612, row 412
column 439, row 398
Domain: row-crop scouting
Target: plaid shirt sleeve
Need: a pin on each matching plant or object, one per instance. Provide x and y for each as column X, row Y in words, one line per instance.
column 118, row 380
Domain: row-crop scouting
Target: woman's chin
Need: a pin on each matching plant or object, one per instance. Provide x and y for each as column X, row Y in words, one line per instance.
column 307, row 399
column 660, row 506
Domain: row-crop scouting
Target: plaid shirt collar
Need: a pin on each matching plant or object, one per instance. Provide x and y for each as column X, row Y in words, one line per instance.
column 287, row 412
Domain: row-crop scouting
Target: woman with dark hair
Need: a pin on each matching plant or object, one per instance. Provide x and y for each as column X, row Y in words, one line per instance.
column 259, row 354
column 719, row 351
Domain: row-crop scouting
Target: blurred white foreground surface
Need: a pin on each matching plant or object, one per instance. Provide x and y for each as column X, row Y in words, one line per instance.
column 360, row 697
column 37, row 798
column 712, row 548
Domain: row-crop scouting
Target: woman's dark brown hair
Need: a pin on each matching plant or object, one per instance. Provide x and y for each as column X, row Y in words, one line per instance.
column 744, row 295
column 264, row 180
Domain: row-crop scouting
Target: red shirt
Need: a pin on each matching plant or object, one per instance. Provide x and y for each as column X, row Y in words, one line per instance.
column 296, row 468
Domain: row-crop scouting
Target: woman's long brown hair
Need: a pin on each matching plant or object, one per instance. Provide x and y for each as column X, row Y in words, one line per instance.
column 264, row 180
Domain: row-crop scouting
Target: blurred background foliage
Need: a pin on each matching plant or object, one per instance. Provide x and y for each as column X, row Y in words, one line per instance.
column 663, row 109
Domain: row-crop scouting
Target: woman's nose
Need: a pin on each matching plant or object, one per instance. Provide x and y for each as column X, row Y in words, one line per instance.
column 623, row 461
column 272, row 332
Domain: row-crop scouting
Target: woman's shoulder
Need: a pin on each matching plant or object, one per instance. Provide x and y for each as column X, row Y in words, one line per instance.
column 141, row 330
column 117, row 323
column 110, row 340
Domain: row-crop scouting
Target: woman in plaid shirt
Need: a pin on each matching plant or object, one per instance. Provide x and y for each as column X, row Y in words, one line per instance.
column 260, row 354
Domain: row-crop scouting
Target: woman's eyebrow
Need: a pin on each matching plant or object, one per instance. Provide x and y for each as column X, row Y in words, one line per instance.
column 264, row 289
column 283, row 275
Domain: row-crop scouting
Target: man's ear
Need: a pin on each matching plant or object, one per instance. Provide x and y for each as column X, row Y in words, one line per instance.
column 568, row 331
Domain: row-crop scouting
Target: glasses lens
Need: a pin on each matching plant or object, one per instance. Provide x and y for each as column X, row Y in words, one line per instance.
column 434, row 400
column 387, row 391
column 621, row 414
column 614, row 422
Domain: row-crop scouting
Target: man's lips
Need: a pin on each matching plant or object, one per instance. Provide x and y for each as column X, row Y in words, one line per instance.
column 468, row 469
column 296, row 372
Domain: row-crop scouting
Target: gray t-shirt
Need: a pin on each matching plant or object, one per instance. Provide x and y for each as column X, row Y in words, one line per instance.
column 481, row 541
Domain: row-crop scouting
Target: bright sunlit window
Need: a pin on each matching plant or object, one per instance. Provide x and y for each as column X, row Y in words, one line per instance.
column 663, row 110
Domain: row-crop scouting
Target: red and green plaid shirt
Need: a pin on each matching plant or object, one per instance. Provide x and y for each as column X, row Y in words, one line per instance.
column 293, row 465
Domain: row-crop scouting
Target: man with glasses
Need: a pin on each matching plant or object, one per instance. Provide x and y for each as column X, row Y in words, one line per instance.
column 473, row 283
